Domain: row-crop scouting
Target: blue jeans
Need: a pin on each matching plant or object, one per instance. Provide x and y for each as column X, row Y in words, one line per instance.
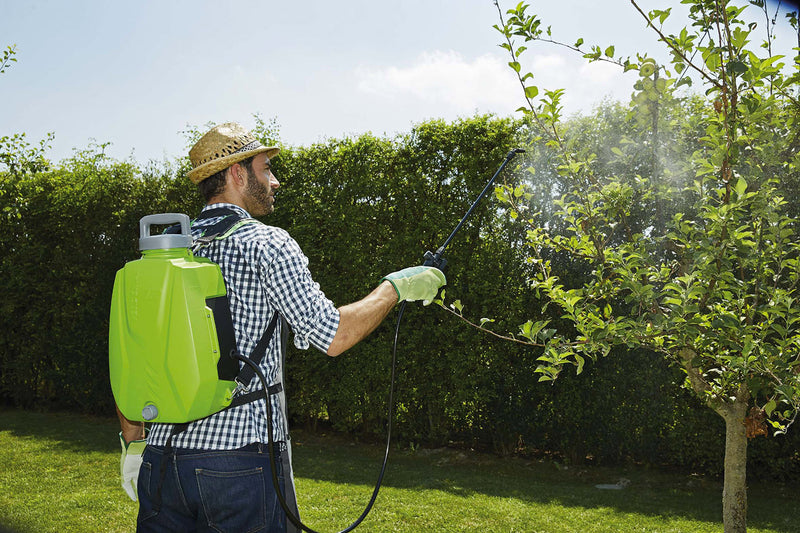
column 221, row 491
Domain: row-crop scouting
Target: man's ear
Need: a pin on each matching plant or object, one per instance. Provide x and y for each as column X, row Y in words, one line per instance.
column 237, row 176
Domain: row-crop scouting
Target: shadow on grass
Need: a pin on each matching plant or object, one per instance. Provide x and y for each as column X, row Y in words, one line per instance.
column 337, row 460
column 649, row 492
column 78, row 433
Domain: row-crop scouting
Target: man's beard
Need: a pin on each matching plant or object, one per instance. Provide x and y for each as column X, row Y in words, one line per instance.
column 259, row 194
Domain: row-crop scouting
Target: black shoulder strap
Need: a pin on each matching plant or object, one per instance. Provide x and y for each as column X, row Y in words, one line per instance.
column 246, row 374
column 229, row 218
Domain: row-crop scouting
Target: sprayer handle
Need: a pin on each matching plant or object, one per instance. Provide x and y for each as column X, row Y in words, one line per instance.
column 162, row 219
column 160, row 242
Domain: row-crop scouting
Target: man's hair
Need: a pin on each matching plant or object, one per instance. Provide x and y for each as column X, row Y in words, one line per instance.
column 215, row 184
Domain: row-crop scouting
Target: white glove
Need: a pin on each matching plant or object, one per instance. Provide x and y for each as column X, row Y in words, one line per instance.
column 129, row 464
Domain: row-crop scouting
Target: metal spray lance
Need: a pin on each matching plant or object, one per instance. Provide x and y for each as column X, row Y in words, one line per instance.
column 436, row 259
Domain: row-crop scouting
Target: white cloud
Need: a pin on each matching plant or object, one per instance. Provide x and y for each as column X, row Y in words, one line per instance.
column 542, row 62
column 600, row 72
column 458, row 85
column 446, row 79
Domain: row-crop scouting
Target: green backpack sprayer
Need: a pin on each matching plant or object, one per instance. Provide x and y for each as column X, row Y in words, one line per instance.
column 171, row 340
column 172, row 351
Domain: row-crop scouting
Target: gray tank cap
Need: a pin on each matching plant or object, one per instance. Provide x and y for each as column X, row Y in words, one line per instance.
column 149, row 412
column 165, row 241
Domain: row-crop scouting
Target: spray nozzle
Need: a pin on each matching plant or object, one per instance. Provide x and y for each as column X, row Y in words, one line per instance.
column 435, row 259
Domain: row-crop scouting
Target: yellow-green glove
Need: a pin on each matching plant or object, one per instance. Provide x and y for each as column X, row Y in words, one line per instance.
column 129, row 464
column 416, row 283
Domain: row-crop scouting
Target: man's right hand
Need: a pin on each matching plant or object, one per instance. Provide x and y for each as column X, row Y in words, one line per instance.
column 417, row 283
column 129, row 464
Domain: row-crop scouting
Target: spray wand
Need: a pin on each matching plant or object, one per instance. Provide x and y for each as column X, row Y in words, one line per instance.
column 434, row 259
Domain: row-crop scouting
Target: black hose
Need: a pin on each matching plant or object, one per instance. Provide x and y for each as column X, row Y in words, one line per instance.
column 430, row 259
column 390, row 415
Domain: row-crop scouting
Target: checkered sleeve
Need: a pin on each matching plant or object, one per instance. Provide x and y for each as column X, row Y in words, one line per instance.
column 311, row 315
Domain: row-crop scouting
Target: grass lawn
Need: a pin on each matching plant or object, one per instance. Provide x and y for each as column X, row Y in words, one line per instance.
column 60, row 473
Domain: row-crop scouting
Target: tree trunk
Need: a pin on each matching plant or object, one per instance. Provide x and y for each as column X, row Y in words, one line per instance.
column 734, row 493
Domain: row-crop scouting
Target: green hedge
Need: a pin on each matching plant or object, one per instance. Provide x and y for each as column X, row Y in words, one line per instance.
column 359, row 208
column 66, row 232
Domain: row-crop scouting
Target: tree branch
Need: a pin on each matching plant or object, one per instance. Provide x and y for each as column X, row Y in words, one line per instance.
column 677, row 50
column 490, row 332
column 514, row 58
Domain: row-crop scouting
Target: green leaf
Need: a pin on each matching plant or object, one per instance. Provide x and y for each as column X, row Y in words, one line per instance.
column 531, row 91
column 579, row 361
column 736, row 67
column 741, row 187
column 662, row 16
column 610, row 51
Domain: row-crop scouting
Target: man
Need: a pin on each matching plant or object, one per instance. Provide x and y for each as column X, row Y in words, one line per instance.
column 216, row 474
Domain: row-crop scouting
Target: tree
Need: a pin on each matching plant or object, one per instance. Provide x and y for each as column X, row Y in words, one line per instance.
column 711, row 284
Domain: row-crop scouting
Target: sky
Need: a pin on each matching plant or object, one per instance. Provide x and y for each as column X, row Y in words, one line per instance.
column 137, row 74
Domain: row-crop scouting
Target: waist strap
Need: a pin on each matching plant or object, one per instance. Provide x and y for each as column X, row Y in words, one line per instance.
column 255, row 395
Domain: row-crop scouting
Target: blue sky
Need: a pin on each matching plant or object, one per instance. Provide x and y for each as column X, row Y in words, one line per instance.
column 137, row 73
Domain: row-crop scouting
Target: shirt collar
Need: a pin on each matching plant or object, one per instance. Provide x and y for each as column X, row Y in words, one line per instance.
column 234, row 207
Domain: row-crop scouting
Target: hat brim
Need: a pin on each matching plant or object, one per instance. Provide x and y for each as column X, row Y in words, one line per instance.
column 196, row 175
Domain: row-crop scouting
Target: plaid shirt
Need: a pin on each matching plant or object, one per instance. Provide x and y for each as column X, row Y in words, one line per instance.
column 265, row 272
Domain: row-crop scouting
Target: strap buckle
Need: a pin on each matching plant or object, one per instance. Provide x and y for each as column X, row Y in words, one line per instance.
column 240, row 387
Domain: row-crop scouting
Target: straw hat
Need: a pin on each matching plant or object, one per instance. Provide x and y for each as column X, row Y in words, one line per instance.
column 223, row 146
